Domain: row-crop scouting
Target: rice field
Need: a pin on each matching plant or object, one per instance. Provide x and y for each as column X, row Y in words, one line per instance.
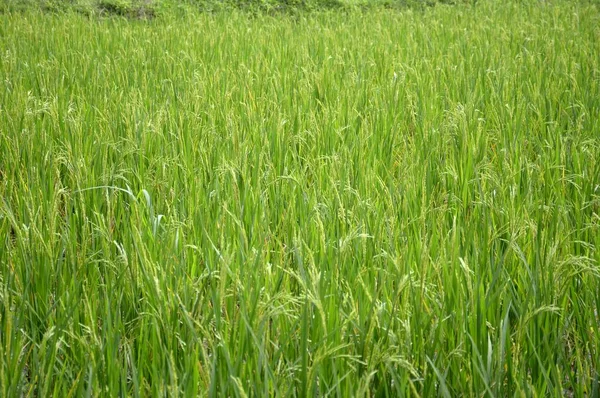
column 357, row 202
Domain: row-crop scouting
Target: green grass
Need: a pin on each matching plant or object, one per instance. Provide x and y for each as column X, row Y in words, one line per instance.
column 381, row 203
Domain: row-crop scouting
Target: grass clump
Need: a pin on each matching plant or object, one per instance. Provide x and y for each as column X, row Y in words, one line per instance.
column 135, row 10
column 371, row 203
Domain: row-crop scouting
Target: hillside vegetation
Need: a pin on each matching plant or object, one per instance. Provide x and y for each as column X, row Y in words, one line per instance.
column 149, row 9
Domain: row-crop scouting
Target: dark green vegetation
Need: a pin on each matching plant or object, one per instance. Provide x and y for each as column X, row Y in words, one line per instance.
column 358, row 203
column 149, row 9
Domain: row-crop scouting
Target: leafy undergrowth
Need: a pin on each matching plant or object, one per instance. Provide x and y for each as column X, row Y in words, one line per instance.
column 150, row 9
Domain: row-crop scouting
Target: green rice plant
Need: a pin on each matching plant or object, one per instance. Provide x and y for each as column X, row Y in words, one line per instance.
column 355, row 203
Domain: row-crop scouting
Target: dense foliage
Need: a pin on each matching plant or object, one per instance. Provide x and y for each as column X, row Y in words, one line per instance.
column 149, row 9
